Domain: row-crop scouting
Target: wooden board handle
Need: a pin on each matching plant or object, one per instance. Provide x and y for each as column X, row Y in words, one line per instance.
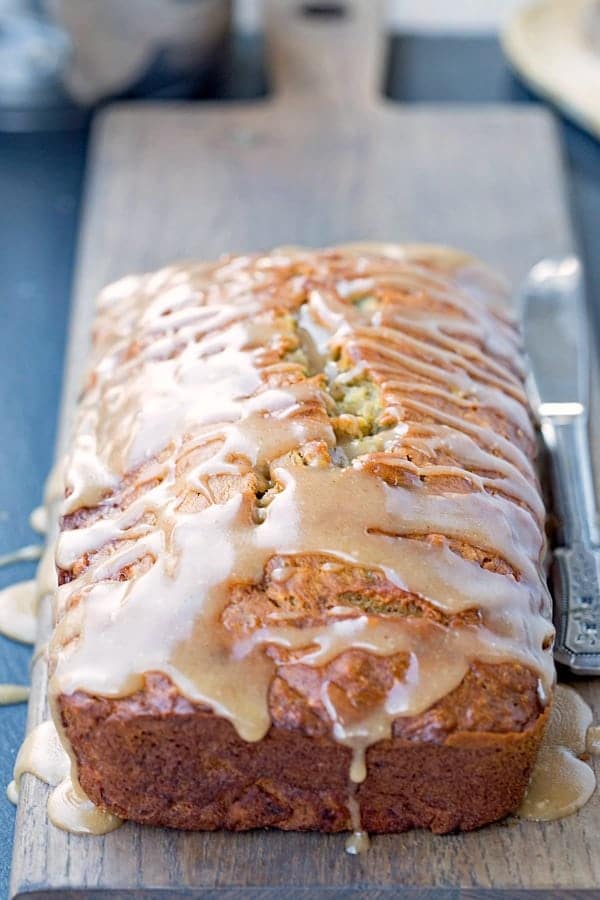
column 325, row 52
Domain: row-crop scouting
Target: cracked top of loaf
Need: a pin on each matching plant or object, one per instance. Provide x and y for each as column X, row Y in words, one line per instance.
column 301, row 488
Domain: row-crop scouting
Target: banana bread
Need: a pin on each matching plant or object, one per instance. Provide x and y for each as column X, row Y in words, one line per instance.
column 300, row 563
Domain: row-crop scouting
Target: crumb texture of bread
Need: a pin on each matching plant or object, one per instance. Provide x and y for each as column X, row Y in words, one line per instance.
column 300, row 560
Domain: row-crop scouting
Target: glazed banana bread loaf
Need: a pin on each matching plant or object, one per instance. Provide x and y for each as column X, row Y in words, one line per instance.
column 300, row 559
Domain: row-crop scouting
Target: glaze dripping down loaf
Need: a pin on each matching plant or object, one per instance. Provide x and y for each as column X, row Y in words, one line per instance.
column 301, row 547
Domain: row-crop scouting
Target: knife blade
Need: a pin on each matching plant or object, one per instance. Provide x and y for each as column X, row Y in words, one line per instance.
column 556, row 342
column 554, row 336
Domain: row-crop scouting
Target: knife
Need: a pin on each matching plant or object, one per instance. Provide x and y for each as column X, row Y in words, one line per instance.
column 556, row 341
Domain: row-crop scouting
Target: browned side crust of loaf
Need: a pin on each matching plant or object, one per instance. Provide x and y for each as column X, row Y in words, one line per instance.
column 158, row 759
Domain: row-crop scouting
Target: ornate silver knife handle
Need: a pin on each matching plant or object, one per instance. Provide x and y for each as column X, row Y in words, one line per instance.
column 576, row 563
column 575, row 579
column 556, row 337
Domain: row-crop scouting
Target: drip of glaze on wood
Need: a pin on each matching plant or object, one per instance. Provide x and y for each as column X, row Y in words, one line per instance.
column 18, row 611
column 19, row 602
column 43, row 755
column 24, row 554
column 38, row 520
column 593, row 740
column 11, row 694
column 562, row 780
column 358, row 841
column 70, row 810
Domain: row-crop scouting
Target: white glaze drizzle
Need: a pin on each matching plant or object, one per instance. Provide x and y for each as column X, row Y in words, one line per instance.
column 358, row 840
column 190, row 385
column 38, row 519
column 18, row 611
column 562, row 782
column 593, row 740
column 71, row 810
column 24, row 554
column 43, row 755
column 13, row 693
column 54, row 487
column 19, row 602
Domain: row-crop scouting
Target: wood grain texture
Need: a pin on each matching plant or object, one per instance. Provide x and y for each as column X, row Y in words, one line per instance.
column 173, row 181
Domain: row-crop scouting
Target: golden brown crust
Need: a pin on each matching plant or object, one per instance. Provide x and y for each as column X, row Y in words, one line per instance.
column 158, row 759
column 414, row 403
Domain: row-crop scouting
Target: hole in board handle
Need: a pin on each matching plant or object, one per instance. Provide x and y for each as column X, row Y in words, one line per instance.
column 324, row 10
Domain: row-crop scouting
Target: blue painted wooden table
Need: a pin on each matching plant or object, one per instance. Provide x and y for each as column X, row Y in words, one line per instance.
column 41, row 178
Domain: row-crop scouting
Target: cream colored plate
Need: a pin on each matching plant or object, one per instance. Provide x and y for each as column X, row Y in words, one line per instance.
column 555, row 46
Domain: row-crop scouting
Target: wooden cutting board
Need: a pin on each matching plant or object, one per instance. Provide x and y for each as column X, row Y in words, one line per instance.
column 324, row 159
